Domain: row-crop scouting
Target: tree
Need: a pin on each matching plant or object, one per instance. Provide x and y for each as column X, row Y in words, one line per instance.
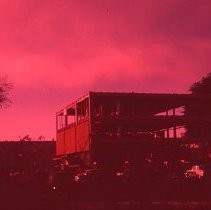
column 5, row 88
column 203, row 86
column 201, row 129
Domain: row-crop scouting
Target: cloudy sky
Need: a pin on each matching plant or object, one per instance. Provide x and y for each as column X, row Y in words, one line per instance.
column 56, row 50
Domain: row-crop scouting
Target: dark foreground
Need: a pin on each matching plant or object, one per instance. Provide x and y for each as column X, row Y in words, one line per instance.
column 36, row 195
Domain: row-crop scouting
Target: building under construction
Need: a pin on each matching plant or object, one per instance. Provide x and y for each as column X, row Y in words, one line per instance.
column 111, row 127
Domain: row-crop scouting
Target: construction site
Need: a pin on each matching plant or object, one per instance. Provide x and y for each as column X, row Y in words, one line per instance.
column 113, row 148
column 109, row 128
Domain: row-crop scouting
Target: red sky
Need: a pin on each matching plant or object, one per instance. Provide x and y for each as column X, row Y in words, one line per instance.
column 56, row 50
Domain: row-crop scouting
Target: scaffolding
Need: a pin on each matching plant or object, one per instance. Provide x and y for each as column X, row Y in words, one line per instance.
column 117, row 124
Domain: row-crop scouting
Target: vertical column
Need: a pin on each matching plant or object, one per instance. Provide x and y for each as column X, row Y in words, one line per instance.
column 133, row 106
column 90, row 122
column 175, row 129
column 76, row 123
column 167, row 114
column 76, row 114
column 65, row 120
column 57, row 123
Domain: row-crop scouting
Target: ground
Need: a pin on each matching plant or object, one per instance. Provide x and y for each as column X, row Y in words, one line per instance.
column 36, row 195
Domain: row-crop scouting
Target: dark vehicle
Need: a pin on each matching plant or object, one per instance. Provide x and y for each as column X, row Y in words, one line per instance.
column 94, row 177
column 62, row 174
column 89, row 176
column 60, row 180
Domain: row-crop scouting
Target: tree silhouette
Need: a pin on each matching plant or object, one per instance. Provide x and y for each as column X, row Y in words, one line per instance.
column 203, row 86
column 5, row 88
column 202, row 129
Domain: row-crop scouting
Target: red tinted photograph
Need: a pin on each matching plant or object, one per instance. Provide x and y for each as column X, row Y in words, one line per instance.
column 105, row 104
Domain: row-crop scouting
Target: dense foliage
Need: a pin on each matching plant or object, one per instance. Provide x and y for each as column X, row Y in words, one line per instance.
column 203, row 86
column 200, row 128
column 5, row 88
